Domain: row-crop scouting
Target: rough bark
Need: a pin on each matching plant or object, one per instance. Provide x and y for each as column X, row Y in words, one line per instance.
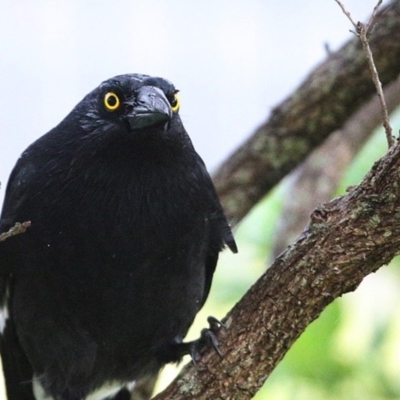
column 316, row 180
column 347, row 239
column 327, row 98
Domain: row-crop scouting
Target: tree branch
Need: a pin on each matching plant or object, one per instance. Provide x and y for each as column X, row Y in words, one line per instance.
column 347, row 239
column 327, row 98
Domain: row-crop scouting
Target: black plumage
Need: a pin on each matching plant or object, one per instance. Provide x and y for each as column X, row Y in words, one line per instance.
column 125, row 235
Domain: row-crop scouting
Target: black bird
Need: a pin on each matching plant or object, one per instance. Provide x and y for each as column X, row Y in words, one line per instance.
column 126, row 230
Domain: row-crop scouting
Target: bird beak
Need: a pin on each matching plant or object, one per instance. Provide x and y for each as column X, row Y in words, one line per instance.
column 150, row 107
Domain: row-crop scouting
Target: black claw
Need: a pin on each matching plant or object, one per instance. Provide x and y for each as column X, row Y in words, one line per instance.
column 175, row 351
column 209, row 337
column 215, row 323
column 195, row 355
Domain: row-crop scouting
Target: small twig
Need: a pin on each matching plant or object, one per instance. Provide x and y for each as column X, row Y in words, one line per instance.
column 346, row 13
column 378, row 85
column 374, row 12
column 15, row 230
column 362, row 31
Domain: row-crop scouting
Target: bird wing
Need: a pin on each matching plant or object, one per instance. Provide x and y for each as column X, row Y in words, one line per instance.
column 16, row 366
column 220, row 232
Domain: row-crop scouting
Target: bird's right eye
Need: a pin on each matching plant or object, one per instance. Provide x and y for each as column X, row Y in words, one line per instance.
column 111, row 101
column 176, row 103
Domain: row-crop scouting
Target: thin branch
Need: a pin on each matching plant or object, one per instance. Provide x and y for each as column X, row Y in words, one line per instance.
column 15, row 230
column 347, row 14
column 374, row 12
column 362, row 31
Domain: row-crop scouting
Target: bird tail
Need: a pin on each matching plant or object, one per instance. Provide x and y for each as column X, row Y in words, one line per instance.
column 16, row 367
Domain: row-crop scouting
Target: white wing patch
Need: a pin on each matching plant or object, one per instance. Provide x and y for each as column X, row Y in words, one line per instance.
column 4, row 314
column 3, row 318
column 38, row 390
column 107, row 390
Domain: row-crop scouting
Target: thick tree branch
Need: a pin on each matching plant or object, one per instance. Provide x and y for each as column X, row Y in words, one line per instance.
column 327, row 98
column 347, row 239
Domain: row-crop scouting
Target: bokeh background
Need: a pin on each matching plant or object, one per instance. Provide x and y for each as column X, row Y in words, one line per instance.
column 233, row 61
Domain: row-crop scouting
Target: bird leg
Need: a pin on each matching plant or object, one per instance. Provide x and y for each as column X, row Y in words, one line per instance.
column 208, row 337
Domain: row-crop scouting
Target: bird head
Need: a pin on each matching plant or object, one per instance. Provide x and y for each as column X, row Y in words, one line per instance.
column 130, row 102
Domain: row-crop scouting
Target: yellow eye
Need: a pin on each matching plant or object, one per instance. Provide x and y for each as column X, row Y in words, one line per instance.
column 176, row 104
column 111, row 101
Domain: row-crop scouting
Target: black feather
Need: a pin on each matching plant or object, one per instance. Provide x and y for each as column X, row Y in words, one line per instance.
column 126, row 231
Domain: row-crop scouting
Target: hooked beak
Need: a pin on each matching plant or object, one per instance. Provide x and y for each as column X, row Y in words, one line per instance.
column 150, row 108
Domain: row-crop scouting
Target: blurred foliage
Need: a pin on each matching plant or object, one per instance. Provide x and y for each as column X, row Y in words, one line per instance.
column 352, row 351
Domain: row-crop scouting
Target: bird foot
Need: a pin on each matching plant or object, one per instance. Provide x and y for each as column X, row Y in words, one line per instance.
column 207, row 338
column 174, row 352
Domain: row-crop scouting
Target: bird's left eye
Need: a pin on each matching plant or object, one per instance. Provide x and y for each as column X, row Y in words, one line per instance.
column 111, row 101
column 176, row 103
